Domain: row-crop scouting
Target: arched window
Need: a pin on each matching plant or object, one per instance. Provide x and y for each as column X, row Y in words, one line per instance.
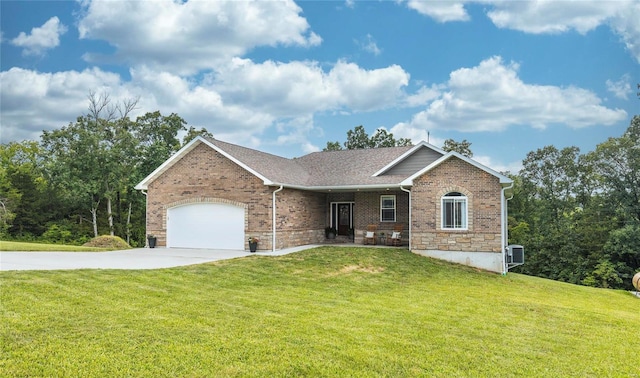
column 454, row 211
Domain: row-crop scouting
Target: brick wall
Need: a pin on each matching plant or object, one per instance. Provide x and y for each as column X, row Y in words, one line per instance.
column 300, row 218
column 204, row 175
column 483, row 192
column 367, row 211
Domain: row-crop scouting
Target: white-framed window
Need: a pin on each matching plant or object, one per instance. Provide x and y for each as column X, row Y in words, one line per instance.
column 454, row 211
column 388, row 208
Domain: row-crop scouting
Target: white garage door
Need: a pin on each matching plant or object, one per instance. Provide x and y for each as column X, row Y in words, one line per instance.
column 206, row 225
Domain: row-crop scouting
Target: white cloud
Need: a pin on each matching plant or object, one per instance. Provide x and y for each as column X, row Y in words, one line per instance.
column 242, row 98
column 551, row 16
column 41, row 39
column 297, row 131
column 491, row 97
column 364, row 90
column 626, row 25
column 621, row 88
column 423, row 96
column 292, row 89
column 416, row 134
column 547, row 16
column 369, row 45
column 441, row 11
column 561, row 16
column 186, row 37
column 33, row 101
column 512, row 167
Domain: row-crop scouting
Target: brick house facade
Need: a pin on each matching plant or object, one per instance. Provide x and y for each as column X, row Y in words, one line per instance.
column 413, row 184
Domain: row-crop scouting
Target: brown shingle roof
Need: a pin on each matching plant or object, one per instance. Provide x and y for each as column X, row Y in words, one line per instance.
column 347, row 169
column 351, row 167
column 275, row 168
column 320, row 169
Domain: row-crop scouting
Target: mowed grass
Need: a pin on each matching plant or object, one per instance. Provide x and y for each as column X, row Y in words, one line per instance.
column 43, row 247
column 329, row 311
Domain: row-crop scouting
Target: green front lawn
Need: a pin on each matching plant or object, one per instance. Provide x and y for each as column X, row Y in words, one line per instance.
column 42, row 247
column 324, row 312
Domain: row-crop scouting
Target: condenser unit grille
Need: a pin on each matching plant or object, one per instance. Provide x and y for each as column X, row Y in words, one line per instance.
column 515, row 255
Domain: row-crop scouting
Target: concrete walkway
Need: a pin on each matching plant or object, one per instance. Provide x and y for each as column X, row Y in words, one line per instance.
column 141, row 258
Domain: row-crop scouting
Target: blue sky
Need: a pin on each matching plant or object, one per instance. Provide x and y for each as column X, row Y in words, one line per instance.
column 286, row 77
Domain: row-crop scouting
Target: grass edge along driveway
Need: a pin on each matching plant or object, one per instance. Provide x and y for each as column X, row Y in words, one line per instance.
column 328, row 311
column 12, row 246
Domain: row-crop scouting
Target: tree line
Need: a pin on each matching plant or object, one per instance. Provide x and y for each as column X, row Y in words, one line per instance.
column 77, row 182
column 577, row 214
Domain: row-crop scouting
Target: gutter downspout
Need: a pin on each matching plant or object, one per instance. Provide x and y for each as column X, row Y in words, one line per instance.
column 505, row 228
column 146, row 206
column 410, row 220
column 273, row 211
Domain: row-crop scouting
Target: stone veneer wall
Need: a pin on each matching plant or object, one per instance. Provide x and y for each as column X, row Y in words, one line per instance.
column 483, row 192
column 204, row 175
column 299, row 218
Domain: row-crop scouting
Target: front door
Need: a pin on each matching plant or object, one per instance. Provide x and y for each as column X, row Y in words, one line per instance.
column 344, row 218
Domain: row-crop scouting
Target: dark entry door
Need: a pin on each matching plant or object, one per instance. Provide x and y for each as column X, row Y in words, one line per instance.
column 344, row 218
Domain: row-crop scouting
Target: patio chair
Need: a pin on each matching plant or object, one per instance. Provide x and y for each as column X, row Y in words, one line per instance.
column 370, row 234
column 396, row 236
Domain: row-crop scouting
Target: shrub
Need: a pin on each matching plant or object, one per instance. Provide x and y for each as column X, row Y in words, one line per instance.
column 57, row 234
column 107, row 241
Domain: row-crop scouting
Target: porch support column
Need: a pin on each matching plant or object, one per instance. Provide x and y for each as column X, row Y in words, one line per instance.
column 410, row 220
column 273, row 212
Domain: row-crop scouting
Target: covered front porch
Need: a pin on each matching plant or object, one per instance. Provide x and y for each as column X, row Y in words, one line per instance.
column 352, row 214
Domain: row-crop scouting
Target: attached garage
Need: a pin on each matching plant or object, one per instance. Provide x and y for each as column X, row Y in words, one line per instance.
column 206, row 225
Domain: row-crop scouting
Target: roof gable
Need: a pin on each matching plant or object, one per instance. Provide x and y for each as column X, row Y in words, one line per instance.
column 503, row 179
column 345, row 169
column 143, row 185
column 420, row 156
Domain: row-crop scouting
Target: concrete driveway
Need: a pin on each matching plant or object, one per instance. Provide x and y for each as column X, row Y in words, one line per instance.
column 141, row 258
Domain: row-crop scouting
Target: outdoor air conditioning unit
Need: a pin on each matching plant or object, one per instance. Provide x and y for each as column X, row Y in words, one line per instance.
column 515, row 255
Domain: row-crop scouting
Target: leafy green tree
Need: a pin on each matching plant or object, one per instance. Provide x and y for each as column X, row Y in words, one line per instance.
column 549, row 187
column 359, row 139
column 157, row 138
column 98, row 159
column 9, row 195
column 463, row 148
column 604, row 275
column 192, row 133
column 333, row 146
column 623, row 250
column 77, row 164
column 382, row 138
column 578, row 214
column 555, row 176
column 616, row 163
column 24, row 194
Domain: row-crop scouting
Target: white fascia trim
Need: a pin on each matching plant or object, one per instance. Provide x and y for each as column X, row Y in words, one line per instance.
column 339, row 188
column 406, row 155
column 144, row 184
column 503, row 179
column 265, row 180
